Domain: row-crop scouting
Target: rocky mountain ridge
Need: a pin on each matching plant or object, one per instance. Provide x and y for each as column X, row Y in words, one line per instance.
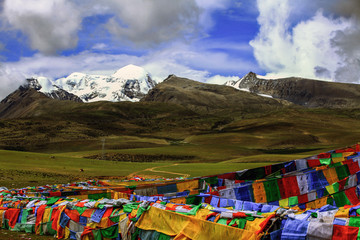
column 207, row 98
column 129, row 83
column 56, row 93
column 305, row 92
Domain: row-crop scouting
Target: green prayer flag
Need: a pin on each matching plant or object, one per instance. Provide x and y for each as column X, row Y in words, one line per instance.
column 193, row 199
column 49, row 229
column 130, row 206
column 272, row 190
column 336, row 186
column 326, row 161
column 338, row 164
column 354, row 221
column 135, row 235
column 141, row 210
column 164, row 237
column 212, row 180
column 52, row 200
column 17, row 227
column 115, row 219
column 97, row 234
column 25, row 214
column 110, row 232
column 341, row 199
column 222, row 221
column 330, row 201
column 293, row 201
column 80, row 210
column 29, row 228
column 241, row 222
column 99, row 195
column 333, row 155
column 342, row 171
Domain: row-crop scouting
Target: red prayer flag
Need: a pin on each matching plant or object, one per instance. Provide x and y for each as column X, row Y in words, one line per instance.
column 351, row 195
column 313, row 162
column 344, row 232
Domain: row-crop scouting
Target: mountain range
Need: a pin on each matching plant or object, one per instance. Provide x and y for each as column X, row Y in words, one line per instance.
column 129, row 83
column 304, row 92
column 133, row 83
column 250, row 111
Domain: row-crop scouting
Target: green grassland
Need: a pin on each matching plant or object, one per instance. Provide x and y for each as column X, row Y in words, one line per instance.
column 20, row 169
column 54, row 142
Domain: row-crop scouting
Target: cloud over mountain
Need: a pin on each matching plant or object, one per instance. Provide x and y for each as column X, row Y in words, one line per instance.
column 50, row 25
column 53, row 25
column 324, row 45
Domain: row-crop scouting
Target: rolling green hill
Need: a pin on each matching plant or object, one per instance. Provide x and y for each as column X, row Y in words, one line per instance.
column 180, row 122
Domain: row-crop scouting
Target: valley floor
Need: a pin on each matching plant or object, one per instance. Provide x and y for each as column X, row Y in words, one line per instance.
column 22, row 169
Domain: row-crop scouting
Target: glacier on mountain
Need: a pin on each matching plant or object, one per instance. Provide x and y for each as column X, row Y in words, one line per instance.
column 129, row 83
column 244, row 83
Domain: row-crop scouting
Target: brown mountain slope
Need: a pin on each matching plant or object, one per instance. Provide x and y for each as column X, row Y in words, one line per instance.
column 20, row 103
column 305, row 92
column 209, row 98
column 217, row 119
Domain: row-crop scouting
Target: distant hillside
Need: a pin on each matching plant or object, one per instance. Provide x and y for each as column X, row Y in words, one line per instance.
column 20, row 103
column 43, row 85
column 218, row 119
column 305, row 92
column 209, row 98
column 23, row 101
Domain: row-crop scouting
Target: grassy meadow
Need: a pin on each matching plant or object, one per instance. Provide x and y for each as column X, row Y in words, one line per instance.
column 149, row 140
column 21, row 169
column 210, row 154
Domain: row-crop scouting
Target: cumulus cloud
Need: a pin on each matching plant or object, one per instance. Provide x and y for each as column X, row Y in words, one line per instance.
column 50, row 25
column 218, row 79
column 161, row 68
column 199, row 65
column 160, row 63
column 324, row 46
column 163, row 31
column 60, row 66
column 148, row 23
column 346, row 8
column 10, row 79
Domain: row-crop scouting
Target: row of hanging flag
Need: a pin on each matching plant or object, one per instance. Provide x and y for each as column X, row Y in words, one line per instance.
column 311, row 198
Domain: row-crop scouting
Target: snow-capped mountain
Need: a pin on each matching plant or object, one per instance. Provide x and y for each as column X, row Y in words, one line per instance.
column 245, row 84
column 239, row 84
column 48, row 87
column 129, row 83
column 301, row 91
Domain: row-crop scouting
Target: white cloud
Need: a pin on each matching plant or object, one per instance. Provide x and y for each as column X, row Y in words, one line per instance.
column 313, row 48
column 201, row 57
column 51, row 25
column 207, row 7
column 179, row 59
column 149, row 23
column 11, row 79
column 60, row 66
column 100, row 46
column 160, row 69
column 218, row 79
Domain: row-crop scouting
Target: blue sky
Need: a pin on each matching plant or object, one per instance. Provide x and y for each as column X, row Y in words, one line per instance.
column 206, row 40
